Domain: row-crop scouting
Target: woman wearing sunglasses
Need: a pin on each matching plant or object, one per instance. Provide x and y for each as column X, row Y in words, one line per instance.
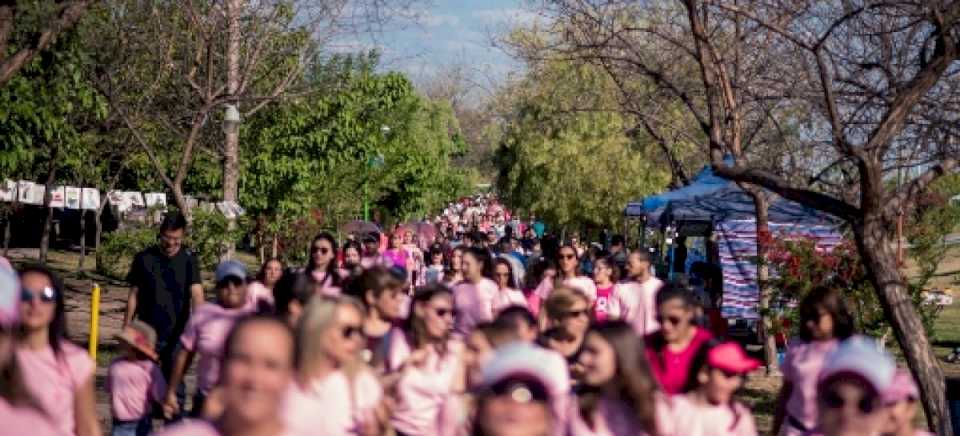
column 672, row 349
column 505, row 279
column 19, row 412
column 568, row 274
column 334, row 392
column 323, row 266
column 567, row 320
column 352, row 256
column 427, row 362
column 58, row 374
column 454, row 273
column 618, row 395
column 204, row 335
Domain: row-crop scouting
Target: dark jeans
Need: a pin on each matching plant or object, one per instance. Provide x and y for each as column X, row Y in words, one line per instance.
column 140, row 427
column 168, row 353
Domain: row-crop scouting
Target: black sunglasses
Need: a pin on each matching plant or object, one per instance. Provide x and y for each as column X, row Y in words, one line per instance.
column 866, row 405
column 575, row 314
column 352, row 331
column 46, row 295
column 321, row 250
column 230, row 280
column 672, row 320
column 568, row 256
column 442, row 312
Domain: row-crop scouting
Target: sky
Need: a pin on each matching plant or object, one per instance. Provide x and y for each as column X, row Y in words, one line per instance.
column 445, row 33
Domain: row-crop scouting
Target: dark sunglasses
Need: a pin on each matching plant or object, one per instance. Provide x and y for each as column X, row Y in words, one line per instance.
column 442, row 312
column 502, row 275
column 672, row 320
column 231, row 280
column 866, row 405
column 352, row 331
column 568, row 256
column 575, row 314
column 46, row 295
column 321, row 250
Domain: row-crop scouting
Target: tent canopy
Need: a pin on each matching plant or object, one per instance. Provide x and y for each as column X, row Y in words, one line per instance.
column 651, row 207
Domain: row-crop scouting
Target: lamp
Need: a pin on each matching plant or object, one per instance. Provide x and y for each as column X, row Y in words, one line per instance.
column 231, row 118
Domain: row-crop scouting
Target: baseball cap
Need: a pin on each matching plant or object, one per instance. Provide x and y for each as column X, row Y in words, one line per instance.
column 371, row 237
column 730, row 357
column 140, row 336
column 525, row 366
column 230, row 268
column 9, row 297
column 902, row 388
column 860, row 356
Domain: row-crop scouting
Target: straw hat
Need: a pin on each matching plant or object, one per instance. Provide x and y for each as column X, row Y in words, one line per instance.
column 141, row 337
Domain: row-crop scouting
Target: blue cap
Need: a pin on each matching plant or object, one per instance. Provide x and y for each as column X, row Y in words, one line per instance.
column 231, row 268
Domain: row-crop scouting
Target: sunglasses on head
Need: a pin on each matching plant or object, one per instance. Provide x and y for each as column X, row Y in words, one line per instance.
column 352, row 331
column 833, row 400
column 46, row 295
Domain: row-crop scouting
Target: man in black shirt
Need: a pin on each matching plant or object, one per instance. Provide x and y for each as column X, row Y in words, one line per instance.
column 165, row 282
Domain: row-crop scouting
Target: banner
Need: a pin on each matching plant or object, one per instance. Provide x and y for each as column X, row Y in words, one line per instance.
column 8, row 190
column 135, row 199
column 90, row 199
column 30, row 193
column 57, row 197
column 156, row 199
column 73, row 197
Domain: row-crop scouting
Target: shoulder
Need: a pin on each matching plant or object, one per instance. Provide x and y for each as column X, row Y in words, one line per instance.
column 190, row 428
column 76, row 356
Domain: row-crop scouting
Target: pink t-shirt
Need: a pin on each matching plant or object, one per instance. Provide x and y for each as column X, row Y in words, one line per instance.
column 474, row 302
column 53, row 380
column 397, row 257
column 204, row 334
column 697, row 419
column 257, row 293
column 613, row 418
column 603, row 309
column 132, row 385
column 24, row 421
column 333, row 405
column 195, row 427
column 638, row 304
column 326, row 283
column 422, row 391
column 583, row 283
column 672, row 368
column 506, row 298
column 801, row 366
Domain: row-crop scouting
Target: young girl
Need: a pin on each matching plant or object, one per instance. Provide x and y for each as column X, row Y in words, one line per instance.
column 605, row 276
column 900, row 400
column 395, row 253
column 382, row 295
column 708, row 407
column 824, row 321
column 134, row 381
column 434, row 273
column 58, row 374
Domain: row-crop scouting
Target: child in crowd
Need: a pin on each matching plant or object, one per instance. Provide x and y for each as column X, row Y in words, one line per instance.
column 605, row 276
column 850, row 388
column 134, row 381
column 824, row 321
column 708, row 408
column 900, row 401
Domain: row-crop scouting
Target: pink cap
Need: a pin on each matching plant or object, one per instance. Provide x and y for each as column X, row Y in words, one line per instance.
column 902, row 388
column 730, row 357
column 9, row 298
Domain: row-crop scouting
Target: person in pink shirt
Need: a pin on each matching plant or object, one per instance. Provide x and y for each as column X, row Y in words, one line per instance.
column 428, row 362
column 58, row 374
column 260, row 291
column 334, row 392
column 135, row 382
column 371, row 251
column 568, row 275
column 824, row 321
column 708, row 407
column 19, row 412
column 672, row 349
column 395, row 254
column 474, row 297
column 541, row 272
column 619, row 395
column 605, row 277
column 204, row 336
column 508, row 294
column 636, row 297
column 436, row 270
column 322, row 266
column 900, row 400
column 454, row 274
column 257, row 371
column 382, row 294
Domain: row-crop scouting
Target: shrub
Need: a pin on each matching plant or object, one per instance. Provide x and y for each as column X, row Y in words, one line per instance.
column 118, row 248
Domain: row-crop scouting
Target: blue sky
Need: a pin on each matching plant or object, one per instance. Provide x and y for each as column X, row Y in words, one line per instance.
column 444, row 33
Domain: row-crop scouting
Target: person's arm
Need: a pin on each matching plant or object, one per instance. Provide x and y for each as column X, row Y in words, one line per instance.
column 131, row 306
column 180, row 364
column 196, row 294
column 781, row 411
column 85, row 410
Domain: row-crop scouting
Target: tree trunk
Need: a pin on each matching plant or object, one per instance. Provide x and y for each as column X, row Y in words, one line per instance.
column 6, row 231
column 761, row 205
column 98, row 225
column 47, row 196
column 880, row 261
column 83, row 238
column 181, row 201
column 275, row 246
column 231, row 147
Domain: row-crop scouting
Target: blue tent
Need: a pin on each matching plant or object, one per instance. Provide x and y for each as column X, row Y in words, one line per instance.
column 651, row 207
column 732, row 203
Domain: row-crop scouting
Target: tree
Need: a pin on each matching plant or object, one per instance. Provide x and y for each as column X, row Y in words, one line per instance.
column 873, row 86
column 29, row 28
column 563, row 156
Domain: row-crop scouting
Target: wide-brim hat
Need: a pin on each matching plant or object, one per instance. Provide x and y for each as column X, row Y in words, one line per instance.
column 141, row 337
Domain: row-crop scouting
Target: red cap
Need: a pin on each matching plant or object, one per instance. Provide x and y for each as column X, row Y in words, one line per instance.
column 730, row 357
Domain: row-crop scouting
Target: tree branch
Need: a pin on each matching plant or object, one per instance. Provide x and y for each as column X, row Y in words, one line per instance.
column 68, row 16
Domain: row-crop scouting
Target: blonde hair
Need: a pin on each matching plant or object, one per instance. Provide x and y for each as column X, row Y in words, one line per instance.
column 561, row 300
column 318, row 317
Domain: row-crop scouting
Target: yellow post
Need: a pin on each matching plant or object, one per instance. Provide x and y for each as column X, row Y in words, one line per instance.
column 94, row 320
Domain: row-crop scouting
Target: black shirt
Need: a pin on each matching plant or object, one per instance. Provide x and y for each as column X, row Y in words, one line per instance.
column 163, row 290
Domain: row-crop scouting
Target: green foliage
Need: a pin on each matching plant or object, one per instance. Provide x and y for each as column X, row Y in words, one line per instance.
column 118, row 248
column 934, row 218
column 210, row 235
column 565, row 154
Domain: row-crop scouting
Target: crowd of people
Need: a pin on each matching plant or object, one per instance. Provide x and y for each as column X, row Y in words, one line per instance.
column 479, row 333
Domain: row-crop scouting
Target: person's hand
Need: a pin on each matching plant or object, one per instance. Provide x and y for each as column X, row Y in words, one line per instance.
column 171, row 406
